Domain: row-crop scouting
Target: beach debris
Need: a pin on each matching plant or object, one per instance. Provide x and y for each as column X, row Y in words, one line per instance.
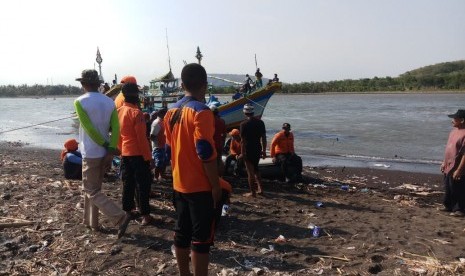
column 228, row 272
column 319, row 204
column 99, row 251
column 316, row 231
column 267, row 250
column 428, row 265
column 442, row 241
column 280, row 239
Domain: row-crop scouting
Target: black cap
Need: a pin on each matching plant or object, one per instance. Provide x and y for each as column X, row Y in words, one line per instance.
column 459, row 114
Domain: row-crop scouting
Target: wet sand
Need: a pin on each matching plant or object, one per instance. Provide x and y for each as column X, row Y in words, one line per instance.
column 386, row 222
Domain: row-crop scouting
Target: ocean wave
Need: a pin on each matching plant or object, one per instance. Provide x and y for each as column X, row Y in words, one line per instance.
column 397, row 160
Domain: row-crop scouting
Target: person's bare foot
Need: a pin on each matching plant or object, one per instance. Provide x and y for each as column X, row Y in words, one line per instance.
column 251, row 194
column 260, row 192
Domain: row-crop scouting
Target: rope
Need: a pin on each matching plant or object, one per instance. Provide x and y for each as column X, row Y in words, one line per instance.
column 254, row 102
column 43, row 123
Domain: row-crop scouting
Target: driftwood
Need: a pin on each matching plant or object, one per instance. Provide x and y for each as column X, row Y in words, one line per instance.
column 4, row 225
column 332, row 257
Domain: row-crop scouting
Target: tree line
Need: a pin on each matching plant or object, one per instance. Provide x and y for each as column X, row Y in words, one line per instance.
column 438, row 77
column 38, row 90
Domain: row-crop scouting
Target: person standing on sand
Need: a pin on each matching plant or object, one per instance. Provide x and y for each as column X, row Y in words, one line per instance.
column 157, row 136
column 189, row 129
column 136, row 155
column 453, row 166
column 219, row 137
column 97, row 117
column 253, row 146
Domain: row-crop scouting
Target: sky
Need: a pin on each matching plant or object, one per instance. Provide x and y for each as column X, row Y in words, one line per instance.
column 51, row 42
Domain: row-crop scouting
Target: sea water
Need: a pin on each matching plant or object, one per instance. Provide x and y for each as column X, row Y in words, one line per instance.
column 396, row 131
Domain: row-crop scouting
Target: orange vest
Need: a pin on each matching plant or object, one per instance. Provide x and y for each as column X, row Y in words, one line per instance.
column 235, row 147
column 190, row 143
column 133, row 140
column 282, row 144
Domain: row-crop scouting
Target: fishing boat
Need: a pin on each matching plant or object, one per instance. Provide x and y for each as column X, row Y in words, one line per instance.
column 232, row 113
column 162, row 91
column 166, row 90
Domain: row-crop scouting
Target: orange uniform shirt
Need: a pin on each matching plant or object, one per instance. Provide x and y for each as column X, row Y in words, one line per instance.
column 190, row 143
column 133, row 140
column 282, row 144
column 235, row 147
column 119, row 100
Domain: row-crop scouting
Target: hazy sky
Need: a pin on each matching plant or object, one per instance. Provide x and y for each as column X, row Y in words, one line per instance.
column 307, row 40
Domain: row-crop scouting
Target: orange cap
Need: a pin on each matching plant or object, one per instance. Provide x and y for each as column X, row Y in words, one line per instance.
column 234, row 132
column 71, row 144
column 129, row 79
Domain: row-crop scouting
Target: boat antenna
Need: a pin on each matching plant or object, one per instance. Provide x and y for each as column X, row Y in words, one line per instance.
column 168, row 47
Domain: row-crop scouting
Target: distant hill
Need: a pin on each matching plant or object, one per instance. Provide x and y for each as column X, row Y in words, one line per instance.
column 438, row 70
column 438, row 77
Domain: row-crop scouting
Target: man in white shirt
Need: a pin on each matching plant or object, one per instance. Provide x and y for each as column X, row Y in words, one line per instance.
column 97, row 116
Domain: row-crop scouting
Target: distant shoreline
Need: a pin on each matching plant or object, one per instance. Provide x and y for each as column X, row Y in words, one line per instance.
column 286, row 94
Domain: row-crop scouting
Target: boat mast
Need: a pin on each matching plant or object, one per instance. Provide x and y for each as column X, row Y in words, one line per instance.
column 199, row 55
column 168, row 47
column 99, row 61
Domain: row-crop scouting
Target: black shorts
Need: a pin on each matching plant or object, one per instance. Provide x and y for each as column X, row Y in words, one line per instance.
column 194, row 221
column 253, row 157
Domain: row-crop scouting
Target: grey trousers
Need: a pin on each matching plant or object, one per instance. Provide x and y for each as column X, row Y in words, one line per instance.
column 93, row 170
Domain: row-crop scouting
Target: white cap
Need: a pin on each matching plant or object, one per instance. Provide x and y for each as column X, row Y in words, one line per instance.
column 248, row 108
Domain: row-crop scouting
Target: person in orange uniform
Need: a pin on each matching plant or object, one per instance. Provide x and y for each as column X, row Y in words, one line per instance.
column 283, row 153
column 189, row 129
column 219, row 137
column 119, row 100
column 234, row 153
column 135, row 151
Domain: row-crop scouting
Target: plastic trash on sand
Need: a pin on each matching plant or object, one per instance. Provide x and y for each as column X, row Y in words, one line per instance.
column 280, row 238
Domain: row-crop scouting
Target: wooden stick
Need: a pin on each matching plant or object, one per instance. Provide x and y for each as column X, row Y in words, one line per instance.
column 1, row 218
column 15, row 224
column 332, row 257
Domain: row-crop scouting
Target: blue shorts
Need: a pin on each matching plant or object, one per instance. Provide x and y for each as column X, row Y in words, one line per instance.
column 158, row 155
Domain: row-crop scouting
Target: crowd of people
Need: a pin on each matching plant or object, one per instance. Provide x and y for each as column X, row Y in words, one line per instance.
column 190, row 137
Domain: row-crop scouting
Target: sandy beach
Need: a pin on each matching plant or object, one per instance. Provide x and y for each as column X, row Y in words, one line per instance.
column 386, row 223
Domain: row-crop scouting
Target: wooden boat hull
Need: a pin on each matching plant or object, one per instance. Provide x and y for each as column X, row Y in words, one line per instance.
column 232, row 112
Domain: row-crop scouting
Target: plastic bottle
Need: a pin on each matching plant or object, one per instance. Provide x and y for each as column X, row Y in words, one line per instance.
column 225, row 210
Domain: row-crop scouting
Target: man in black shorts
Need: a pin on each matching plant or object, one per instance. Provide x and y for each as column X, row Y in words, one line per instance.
column 253, row 144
